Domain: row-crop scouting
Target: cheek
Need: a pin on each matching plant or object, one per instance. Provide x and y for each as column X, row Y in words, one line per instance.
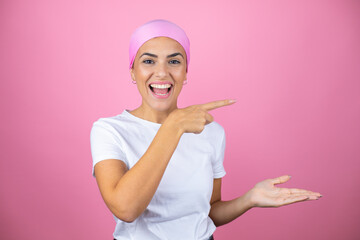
column 179, row 73
column 142, row 74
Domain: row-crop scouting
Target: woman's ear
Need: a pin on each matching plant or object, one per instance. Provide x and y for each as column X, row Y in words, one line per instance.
column 132, row 74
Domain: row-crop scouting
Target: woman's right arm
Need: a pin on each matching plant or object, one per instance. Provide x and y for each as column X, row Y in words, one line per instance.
column 127, row 193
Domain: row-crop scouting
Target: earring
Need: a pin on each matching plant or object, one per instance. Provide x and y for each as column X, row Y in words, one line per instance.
column 185, row 82
column 133, row 81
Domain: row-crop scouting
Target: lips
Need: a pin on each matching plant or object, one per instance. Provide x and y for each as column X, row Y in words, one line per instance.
column 161, row 89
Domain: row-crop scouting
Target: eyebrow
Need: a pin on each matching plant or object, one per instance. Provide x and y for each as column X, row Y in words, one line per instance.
column 169, row 56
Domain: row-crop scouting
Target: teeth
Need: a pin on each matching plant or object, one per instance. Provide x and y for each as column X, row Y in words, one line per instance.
column 161, row 86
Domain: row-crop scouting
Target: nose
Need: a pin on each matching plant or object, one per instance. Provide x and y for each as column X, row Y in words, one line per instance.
column 161, row 69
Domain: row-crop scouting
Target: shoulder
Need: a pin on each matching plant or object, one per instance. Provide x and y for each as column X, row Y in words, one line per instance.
column 214, row 129
column 213, row 133
column 110, row 125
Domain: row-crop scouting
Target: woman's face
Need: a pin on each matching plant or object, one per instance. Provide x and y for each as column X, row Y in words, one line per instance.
column 160, row 71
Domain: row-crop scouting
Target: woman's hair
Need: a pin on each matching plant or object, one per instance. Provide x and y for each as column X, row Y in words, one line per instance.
column 158, row 28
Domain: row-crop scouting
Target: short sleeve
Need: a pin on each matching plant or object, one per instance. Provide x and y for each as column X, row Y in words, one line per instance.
column 105, row 144
column 218, row 163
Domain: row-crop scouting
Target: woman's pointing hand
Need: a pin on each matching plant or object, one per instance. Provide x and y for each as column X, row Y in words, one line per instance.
column 193, row 119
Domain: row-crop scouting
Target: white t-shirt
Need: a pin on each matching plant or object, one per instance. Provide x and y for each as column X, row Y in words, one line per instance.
column 181, row 204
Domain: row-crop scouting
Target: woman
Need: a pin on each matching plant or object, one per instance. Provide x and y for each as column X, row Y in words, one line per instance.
column 158, row 167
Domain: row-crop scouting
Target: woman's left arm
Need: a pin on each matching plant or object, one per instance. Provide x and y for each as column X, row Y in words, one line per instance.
column 264, row 194
column 223, row 212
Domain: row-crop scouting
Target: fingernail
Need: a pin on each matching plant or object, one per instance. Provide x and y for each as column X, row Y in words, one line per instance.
column 232, row 100
column 289, row 176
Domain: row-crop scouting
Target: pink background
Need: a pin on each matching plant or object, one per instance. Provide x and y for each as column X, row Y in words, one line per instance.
column 293, row 66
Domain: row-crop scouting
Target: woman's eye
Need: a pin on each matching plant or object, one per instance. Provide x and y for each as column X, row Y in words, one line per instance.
column 174, row 62
column 148, row 61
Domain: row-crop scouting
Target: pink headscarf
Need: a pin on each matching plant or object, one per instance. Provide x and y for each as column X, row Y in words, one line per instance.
column 158, row 28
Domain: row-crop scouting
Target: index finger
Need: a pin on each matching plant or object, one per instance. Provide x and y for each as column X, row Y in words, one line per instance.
column 217, row 104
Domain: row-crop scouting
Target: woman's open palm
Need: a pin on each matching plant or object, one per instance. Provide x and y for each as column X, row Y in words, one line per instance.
column 266, row 194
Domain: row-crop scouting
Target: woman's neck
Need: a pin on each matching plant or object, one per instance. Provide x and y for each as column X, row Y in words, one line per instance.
column 150, row 114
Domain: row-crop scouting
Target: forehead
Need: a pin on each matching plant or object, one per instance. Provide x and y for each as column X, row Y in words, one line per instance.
column 161, row 44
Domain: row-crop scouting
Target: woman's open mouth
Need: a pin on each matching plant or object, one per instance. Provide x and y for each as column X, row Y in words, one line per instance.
column 160, row 90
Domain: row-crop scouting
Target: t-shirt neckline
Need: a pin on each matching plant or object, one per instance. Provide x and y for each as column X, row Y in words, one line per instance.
column 127, row 113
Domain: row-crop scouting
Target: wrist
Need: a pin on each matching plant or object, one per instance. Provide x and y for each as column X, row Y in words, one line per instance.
column 172, row 127
column 249, row 200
